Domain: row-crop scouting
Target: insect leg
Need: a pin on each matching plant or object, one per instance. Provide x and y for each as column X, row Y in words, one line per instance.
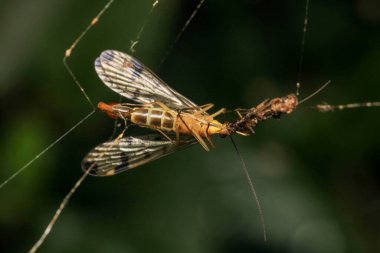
column 200, row 140
column 221, row 111
column 204, row 109
column 194, row 133
column 208, row 136
column 162, row 105
column 166, row 136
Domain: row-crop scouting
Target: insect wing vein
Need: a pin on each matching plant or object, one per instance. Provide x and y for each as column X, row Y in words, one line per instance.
column 127, row 76
column 113, row 157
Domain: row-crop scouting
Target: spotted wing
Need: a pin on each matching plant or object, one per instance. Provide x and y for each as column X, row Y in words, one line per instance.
column 113, row 157
column 128, row 77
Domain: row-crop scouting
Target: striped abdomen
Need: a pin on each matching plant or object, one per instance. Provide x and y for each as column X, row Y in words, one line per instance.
column 155, row 118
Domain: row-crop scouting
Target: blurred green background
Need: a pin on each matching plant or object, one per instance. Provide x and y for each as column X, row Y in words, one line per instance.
column 316, row 174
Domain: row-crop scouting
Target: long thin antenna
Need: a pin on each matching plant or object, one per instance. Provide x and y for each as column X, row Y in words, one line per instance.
column 252, row 189
column 315, row 92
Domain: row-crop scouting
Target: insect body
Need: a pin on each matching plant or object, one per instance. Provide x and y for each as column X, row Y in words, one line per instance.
column 178, row 121
column 147, row 115
column 159, row 117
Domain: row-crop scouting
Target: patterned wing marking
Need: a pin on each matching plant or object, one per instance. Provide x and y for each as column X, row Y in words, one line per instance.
column 127, row 76
column 113, row 157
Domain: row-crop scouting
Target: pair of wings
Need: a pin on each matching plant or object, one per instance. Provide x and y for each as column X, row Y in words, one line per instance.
column 128, row 77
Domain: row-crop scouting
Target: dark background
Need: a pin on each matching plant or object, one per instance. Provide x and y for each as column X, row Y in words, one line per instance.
column 317, row 174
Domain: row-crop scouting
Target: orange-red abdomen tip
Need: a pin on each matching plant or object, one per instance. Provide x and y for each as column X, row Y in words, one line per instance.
column 107, row 108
